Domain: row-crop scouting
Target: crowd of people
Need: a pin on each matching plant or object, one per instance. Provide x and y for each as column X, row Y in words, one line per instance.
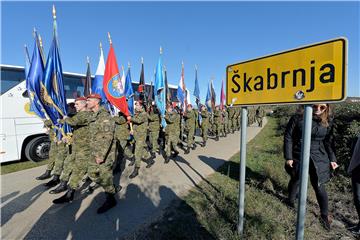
column 100, row 142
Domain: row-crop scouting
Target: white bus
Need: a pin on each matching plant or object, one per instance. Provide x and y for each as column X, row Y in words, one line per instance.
column 22, row 133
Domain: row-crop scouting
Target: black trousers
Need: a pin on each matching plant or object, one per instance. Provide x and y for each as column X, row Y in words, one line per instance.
column 355, row 180
column 320, row 191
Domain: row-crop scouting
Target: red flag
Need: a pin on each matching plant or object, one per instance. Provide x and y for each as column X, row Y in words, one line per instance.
column 222, row 96
column 112, row 85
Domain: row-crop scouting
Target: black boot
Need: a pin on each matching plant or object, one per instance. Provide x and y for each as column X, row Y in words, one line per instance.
column 132, row 161
column 68, row 197
column 175, row 154
column 194, row 146
column 109, row 203
column 53, row 182
column 204, row 144
column 217, row 138
column 153, row 154
column 187, row 151
column 45, row 175
column 135, row 172
column 150, row 162
column 167, row 159
column 61, row 188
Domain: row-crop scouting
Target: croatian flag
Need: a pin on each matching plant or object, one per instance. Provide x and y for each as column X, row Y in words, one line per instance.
column 181, row 91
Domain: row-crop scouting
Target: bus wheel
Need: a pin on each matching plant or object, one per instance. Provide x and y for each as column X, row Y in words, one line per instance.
column 38, row 149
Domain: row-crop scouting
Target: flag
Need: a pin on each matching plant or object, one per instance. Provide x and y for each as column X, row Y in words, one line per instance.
column 181, row 91
column 209, row 98
column 188, row 98
column 197, row 89
column 159, row 92
column 53, row 87
column 222, row 96
column 213, row 95
column 141, row 87
column 129, row 93
column 33, row 79
column 97, row 84
column 27, row 60
column 112, row 83
column 150, row 94
column 168, row 93
column 87, row 85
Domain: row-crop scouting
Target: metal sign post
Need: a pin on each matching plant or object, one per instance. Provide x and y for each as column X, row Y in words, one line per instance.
column 304, row 171
column 242, row 170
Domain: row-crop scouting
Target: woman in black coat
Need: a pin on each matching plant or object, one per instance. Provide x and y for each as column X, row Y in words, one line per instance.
column 322, row 156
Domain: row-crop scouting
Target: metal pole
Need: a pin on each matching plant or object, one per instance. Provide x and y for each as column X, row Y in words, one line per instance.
column 242, row 170
column 304, row 171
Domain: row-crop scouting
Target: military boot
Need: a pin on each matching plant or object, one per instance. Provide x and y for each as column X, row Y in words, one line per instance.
column 45, row 175
column 167, row 159
column 109, row 203
column 193, row 146
column 53, row 182
column 68, row 197
column 135, row 172
column 153, row 154
column 132, row 161
column 187, row 151
column 61, row 188
column 204, row 144
column 217, row 138
column 150, row 162
column 175, row 154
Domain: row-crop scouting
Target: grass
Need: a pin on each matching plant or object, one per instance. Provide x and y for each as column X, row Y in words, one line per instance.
column 210, row 210
column 20, row 165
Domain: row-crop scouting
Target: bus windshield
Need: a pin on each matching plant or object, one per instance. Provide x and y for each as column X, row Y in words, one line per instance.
column 10, row 78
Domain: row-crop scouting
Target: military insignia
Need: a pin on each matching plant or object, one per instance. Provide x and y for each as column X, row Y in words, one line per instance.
column 115, row 87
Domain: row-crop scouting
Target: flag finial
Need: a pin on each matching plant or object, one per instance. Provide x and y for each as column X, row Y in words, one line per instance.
column 142, row 60
column 100, row 46
column 34, row 32
column 182, row 63
column 196, row 68
column 40, row 40
column 161, row 50
column 54, row 12
column 164, row 68
column 88, row 59
column 129, row 65
column 109, row 38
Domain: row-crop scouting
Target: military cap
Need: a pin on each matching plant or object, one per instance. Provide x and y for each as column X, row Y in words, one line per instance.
column 94, row 95
column 80, row 99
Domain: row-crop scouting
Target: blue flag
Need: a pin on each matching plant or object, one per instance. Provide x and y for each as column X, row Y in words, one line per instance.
column 33, row 80
column 53, row 87
column 159, row 92
column 197, row 95
column 129, row 93
column 209, row 98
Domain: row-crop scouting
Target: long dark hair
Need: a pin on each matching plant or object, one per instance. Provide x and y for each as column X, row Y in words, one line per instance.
column 325, row 117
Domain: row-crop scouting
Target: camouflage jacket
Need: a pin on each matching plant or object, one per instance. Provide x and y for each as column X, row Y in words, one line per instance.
column 205, row 118
column 171, row 120
column 189, row 120
column 154, row 122
column 121, row 128
column 80, row 125
column 102, row 134
column 140, row 124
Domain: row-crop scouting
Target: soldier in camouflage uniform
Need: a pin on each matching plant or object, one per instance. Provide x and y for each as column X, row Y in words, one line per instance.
column 225, row 121
column 260, row 113
column 140, row 127
column 101, row 147
column 79, row 124
column 204, row 124
column 177, row 124
column 231, row 117
column 171, row 137
column 154, row 129
column 190, row 128
column 235, row 119
column 50, row 131
column 122, row 134
column 217, row 122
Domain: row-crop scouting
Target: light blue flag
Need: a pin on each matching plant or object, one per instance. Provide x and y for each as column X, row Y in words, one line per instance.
column 129, row 93
column 208, row 99
column 159, row 92
column 197, row 95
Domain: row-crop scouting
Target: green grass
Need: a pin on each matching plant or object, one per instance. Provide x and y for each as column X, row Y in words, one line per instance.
column 20, row 165
column 210, row 210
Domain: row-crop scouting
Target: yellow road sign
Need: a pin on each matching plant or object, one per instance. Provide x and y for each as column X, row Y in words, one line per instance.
column 309, row 74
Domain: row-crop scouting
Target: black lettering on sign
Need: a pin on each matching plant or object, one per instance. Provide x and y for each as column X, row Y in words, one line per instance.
column 235, row 82
column 329, row 76
column 246, row 83
column 269, row 77
column 259, row 85
column 283, row 76
column 312, row 78
column 302, row 71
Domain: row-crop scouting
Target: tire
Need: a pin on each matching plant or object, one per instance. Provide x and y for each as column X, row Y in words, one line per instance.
column 38, row 149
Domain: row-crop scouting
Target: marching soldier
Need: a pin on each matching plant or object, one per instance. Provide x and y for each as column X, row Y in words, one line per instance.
column 154, row 129
column 204, row 124
column 171, row 137
column 102, row 152
column 122, row 134
column 50, row 130
column 217, row 122
column 177, row 124
column 190, row 128
column 79, row 124
column 140, row 125
column 225, row 121
column 260, row 113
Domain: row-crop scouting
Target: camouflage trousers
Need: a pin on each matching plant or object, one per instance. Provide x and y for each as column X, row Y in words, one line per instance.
column 60, row 155
column 69, row 163
column 235, row 124
column 124, row 149
column 153, row 138
column 52, row 155
column 141, row 151
column 98, row 173
column 230, row 125
column 190, row 136
column 226, row 127
column 259, row 121
column 171, row 142
column 204, row 132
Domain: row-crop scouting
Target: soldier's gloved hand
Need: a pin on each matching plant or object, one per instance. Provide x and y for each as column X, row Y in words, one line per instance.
column 99, row 160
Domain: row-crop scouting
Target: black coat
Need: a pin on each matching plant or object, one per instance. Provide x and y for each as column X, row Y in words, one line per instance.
column 321, row 148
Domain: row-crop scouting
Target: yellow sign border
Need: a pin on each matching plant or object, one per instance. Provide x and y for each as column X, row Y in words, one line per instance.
column 344, row 74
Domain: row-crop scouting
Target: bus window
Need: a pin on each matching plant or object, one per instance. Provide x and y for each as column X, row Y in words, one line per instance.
column 10, row 78
column 73, row 86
